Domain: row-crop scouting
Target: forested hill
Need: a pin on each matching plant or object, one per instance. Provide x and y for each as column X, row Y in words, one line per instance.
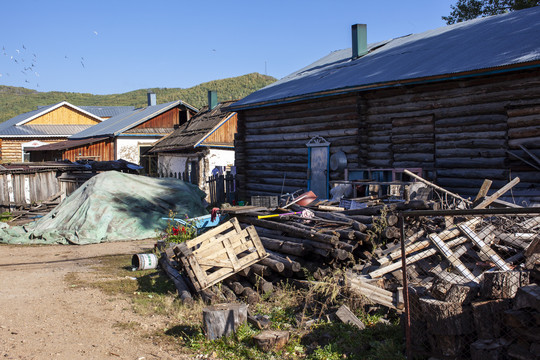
column 18, row 100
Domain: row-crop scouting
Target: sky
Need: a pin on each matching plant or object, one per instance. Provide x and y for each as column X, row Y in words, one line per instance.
column 115, row 46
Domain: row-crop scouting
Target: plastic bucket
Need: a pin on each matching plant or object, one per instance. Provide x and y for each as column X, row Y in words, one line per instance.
column 144, row 261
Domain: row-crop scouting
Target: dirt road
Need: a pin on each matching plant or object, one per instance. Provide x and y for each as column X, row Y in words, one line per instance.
column 42, row 317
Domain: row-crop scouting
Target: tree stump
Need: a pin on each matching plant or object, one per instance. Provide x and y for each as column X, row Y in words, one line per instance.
column 488, row 317
column 446, row 318
column 223, row 319
column 503, row 284
column 271, row 340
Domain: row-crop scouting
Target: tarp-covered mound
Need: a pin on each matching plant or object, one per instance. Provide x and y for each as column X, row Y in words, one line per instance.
column 112, row 206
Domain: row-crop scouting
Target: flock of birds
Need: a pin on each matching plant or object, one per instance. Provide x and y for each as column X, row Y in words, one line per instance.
column 26, row 63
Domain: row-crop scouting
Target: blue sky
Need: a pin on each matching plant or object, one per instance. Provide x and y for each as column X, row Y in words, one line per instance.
column 115, row 46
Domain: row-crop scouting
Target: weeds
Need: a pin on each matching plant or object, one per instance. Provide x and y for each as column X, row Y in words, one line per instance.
column 152, row 294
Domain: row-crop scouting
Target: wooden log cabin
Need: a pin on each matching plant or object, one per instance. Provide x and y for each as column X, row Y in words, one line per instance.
column 126, row 136
column 460, row 103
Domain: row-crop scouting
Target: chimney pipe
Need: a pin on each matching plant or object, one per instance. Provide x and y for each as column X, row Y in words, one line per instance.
column 212, row 99
column 151, row 99
column 359, row 40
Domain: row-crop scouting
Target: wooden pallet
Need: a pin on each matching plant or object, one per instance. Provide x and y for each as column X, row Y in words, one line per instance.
column 219, row 253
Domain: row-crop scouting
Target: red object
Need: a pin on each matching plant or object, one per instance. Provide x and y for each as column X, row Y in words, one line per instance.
column 307, row 198
column 214, row 214
column 175, row 231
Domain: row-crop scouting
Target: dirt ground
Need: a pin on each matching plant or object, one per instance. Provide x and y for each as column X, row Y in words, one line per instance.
column 43, row 317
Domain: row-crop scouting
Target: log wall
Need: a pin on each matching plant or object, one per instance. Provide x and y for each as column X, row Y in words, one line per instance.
column 460, row 131
column 271, row 143
column 12, row 148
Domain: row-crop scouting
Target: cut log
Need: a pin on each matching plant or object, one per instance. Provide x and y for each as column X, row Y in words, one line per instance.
column 503, row 284
column 292, row 230
column 462, row 293
column 446, row 318
column 271, row 340
column 223, row 319
column 289, row 264
column 275, row 265
column 528, row 297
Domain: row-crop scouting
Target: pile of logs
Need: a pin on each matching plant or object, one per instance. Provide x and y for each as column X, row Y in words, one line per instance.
column 463, row 271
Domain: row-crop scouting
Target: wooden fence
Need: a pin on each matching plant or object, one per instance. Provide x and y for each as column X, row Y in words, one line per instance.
column 223, row 189
column 32, row 186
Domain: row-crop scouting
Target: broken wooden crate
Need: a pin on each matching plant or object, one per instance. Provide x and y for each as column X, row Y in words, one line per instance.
column 219, row 253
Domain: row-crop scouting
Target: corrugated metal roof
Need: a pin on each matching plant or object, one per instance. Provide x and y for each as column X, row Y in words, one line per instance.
column 107, row 111
column 43, row 130
column 190, row 133
column 481, row 44
column 22, row 117
column 125, row 121
column 101, row 111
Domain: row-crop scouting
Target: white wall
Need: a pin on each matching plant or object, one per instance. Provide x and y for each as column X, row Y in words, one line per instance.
column 220, row 157
column 128, row 149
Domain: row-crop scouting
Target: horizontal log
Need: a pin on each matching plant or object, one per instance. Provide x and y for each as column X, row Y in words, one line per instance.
column 328, row 134
column 523, row 121
column 524, row 132
column 467, row 163
column 470, row 135
column 289, row 127
column 468, row 144
column 471, row 153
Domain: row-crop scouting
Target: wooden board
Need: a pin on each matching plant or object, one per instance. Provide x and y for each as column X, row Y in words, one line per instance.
column 219, row 253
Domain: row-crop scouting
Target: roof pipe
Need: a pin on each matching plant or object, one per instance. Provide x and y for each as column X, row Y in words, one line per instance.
column 359, row 40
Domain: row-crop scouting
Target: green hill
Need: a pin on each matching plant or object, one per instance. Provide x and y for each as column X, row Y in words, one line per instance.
column 17, row 100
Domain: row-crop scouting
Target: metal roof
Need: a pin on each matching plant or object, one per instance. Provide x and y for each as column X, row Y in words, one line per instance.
column 107, row 111
column 42, row 130
column 195, row 130
column 101, row 111
column 481, row 45
column 127, row 120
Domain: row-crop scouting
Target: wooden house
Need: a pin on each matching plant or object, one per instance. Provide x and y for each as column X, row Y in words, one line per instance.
column 47, row 124
column 193, row 150
column 125, row 136
column 459, row 103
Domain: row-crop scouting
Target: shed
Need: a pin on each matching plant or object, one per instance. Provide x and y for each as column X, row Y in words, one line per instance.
column 461, row 103
column 193, row 150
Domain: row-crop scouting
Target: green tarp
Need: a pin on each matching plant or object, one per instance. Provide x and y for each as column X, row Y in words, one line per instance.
column 112, row 206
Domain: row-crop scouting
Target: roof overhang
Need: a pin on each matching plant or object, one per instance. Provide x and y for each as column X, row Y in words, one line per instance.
column 68, row 144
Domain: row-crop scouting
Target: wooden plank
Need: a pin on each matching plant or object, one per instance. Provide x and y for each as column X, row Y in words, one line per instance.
column 450, row 256
column 486, row 249
column 209, row 234
column 346, row 316
column 484, row 204
column 483, row 189
column 413, row 175
column 412, row 259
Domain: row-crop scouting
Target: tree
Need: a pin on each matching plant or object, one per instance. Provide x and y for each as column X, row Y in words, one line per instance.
column 471, row 9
